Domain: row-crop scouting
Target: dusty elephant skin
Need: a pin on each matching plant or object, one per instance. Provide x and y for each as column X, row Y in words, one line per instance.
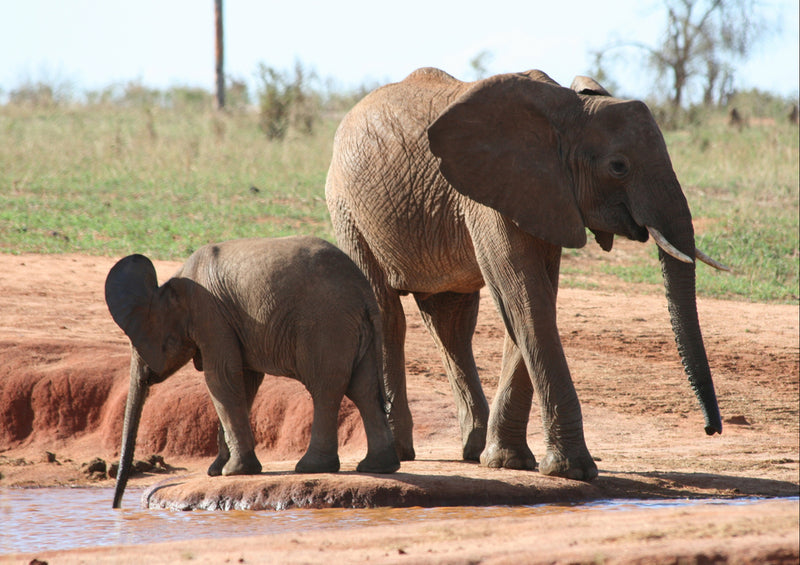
column 438, row 187
column 295, row 307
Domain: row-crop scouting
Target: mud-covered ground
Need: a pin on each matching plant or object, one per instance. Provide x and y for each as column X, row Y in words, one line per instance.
column 65, row 371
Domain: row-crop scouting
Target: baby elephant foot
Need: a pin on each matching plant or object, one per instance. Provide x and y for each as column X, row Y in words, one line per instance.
column 312, row 464
column 215, row 469
column 581, row 467
column 384, row 462
column 509, row 458
column 248, row 464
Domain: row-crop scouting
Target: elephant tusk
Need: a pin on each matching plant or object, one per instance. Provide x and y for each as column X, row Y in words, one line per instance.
column 709, row 261
column 668, row 248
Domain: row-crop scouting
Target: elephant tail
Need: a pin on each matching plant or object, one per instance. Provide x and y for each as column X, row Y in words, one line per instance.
column 371, row 347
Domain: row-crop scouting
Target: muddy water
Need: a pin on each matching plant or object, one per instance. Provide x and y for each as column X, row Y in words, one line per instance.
column 34, row 520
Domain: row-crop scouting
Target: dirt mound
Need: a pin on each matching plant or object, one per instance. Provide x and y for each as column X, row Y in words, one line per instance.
column 57, row 391
column 54, row 391
column 419, row 483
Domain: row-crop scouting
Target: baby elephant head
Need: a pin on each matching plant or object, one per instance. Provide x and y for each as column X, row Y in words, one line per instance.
column 156, row 321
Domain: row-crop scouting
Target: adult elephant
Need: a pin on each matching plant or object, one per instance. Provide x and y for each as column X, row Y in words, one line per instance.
column 438, row 187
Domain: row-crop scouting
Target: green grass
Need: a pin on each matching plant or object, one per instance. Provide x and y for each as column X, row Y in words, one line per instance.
column 742, row 187
column 112, row 180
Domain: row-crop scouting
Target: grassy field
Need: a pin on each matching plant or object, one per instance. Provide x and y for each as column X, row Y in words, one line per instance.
column 111, row 180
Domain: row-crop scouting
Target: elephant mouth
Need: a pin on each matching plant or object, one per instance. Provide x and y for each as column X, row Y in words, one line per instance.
column 639, row 233
column 631, row 228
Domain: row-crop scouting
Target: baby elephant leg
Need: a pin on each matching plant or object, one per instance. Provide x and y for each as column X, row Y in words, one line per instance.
column 322, row 455
column 365, row 393
column 245, row 461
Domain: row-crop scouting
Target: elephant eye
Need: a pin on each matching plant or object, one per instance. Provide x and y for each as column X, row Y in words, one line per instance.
column 618, row 167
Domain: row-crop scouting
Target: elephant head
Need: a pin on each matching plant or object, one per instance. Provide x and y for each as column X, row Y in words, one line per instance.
column 156, row 321
column 557, row 161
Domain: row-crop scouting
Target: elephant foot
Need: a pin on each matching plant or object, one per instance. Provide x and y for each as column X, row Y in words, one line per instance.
column 404, row 449
column 474, row 445
column 403, row 438
column 509, row 458
column 215, row 469
column 384, row 462
column 248, row 464
column 312, row 464
column 579, row 468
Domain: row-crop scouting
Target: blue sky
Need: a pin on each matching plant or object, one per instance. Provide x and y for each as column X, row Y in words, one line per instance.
column 161, row 43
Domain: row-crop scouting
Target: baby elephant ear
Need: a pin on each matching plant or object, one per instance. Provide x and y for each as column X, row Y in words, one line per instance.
column 586, row 85
column 129, row 289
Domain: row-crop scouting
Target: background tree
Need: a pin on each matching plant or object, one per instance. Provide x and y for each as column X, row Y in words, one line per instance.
column 700, row 45
column 479, row 64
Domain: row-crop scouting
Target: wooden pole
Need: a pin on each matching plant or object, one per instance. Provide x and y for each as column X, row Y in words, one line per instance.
column 219, row 68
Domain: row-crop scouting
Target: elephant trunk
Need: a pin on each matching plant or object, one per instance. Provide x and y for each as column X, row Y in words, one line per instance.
column 679, row 281
column 137, row 393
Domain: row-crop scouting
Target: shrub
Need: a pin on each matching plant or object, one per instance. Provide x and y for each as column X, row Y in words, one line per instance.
column 287, row 101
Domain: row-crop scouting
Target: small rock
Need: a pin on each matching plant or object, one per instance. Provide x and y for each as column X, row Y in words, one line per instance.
column 112, row 470
column 49, row 457
column 140, row 466
column 35, row 561
column 96, row 465
column 158, row 464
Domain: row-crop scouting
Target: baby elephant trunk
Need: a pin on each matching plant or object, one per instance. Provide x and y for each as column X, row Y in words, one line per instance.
column 137, row 394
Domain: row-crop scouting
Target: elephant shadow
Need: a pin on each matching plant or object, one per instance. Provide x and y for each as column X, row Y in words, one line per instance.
column 671, row 485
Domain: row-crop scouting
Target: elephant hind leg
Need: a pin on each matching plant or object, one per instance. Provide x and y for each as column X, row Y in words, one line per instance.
column 450, row 318
column 322, row 454
column 506, row 443
column 364, row 391
column 393, row 319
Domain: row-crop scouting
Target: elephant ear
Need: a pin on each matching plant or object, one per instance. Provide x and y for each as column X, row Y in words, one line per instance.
column 590, row 87
column 499, row 146
column 130, row 287
column 586, row 85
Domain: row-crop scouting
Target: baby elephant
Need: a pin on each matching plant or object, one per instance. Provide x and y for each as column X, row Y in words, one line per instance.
column 293, row 306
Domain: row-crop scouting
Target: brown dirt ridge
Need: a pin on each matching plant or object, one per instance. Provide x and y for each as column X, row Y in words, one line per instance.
column 63, row 392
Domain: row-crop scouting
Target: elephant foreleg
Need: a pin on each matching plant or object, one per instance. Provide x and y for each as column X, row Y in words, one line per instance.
column 231, row 403
column 521, row 272
column 506, row 443
column 450, row 319
column 252, row 381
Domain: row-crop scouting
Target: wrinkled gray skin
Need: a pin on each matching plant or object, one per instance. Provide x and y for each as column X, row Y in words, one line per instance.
column 295, row 307
column 439, row 187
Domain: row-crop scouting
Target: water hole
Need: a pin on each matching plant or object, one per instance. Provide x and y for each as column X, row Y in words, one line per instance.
column 46, row 519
